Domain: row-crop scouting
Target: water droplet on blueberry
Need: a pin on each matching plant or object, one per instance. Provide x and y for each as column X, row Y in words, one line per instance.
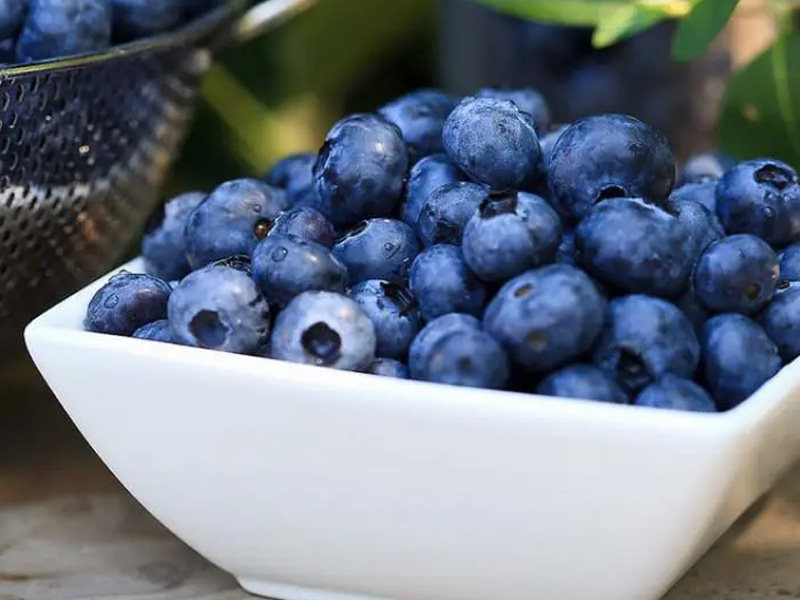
column 322, row 343
column 279, row 254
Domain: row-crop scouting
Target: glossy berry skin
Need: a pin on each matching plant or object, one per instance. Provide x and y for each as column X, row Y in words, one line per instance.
column 781, row 320
column 426, row 176
column 12, row 15
column 56, row 28
column 609, row 156
column 790, row 263
column 378, row 249
column 420, row 115
column 528, row 100
column 232, row 220
column 388, row 367
column 447, row 211
column 736, row 274
column 493, row 142
column 324, row 329
column 360, row 170
column 307, row 223
column 422, row 345
column 392, row 310
column 220, row 309
column 443, row 283
column 133, row 19
column 738, row 358
column 294, row 174
column 644, row 339
column 676, row 393
column 546, row 317
column 157, row 331
column 164, row 245
column 702, row 193
column 761, row 197
column 127, row 302
column 702, row 226
column 509, row 234
column 585, row 382
column 634, row 247
column 285, row 266
column 705, row 168
column 468, row 358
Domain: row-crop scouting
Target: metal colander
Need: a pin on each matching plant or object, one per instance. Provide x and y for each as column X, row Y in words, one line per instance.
column 85, row 144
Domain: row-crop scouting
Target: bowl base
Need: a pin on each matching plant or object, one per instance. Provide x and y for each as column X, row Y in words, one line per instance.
column 280, row 591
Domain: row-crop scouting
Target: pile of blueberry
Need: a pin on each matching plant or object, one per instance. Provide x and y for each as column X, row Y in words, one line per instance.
column 473, row 243
column 32, row 30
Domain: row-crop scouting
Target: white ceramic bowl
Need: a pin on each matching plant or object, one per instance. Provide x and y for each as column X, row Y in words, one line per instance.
column 312, row 484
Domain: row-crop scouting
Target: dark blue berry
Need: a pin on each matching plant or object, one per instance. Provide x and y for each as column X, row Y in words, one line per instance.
column 307, row 223
column 157, row 331
column 547, row 317
column 221, row 309
column 127, row 302
column 493, row 142
column 585, row 382
column 388, row 367
column 528, row 100
column 645, row 338
column 635, row 247
column 781, row 320
column 133, row 19
column 232, row 220
column 676, row 393
column 509, row 234
column 609, row 156
column 736, row 274
column 56, row 28
column 427, row 175
column 431, row 334
column 446, row 212
column 702, row 193
column 360, row 170
column 761, row 197
column 790, row 263
column 164, row 243
column 324, row 329
column 12, row 15
column 295, row 175
column 702, row 226
column 420, row 116
column 738, row 358
column 378, row 249
column 443, row 283
column 393, row 312
column 468, row 358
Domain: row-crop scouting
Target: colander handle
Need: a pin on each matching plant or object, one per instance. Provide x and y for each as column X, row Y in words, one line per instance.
column 265, row 15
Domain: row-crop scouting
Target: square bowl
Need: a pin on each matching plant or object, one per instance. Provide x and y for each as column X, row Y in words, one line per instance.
column 313, row 484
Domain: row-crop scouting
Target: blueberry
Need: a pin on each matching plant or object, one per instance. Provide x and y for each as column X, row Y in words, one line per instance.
column 645, row 338
column 761, row 197
column 307, row 223
column 446, row 212
column 420, row 116
column 736, row 274
column 285, row 266
column 361, row 169
column 739, row 358
column 426, row 176
column 493, row 142
column 790, row 263
column 378, row 249
column 133, row 19
column 781, row 320
column 702, row 226
column 431, row 334
column 705, row 168
column 528, row 100
column 128, row 301
column 635, row 247
column 325, row 329
column 56, row 28
column 392, row 310
column 547, row 317
column 702, row 193
column 693, row 309
column 565, row 254
column 240, row 262
column 12, row 15
column 232, row 220
column 443, row 283
column 582, row 381
column 509, row 234
column 609, row 156
column 164, row 244
column 221, row 309
column 676, row 393
column 388, row 367
column 157, row 331
column 468, row 358
column 294, row 174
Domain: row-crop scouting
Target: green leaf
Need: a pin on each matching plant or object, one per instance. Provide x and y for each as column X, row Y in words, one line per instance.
column 700, row 27
column 567, row 12
column 625, row 21
column 761, row 108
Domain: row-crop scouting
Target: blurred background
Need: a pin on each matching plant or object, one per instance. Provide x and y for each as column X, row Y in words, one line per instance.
column 281, row 93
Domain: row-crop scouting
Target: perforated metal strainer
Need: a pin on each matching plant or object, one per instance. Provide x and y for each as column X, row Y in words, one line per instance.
column 85, row 144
